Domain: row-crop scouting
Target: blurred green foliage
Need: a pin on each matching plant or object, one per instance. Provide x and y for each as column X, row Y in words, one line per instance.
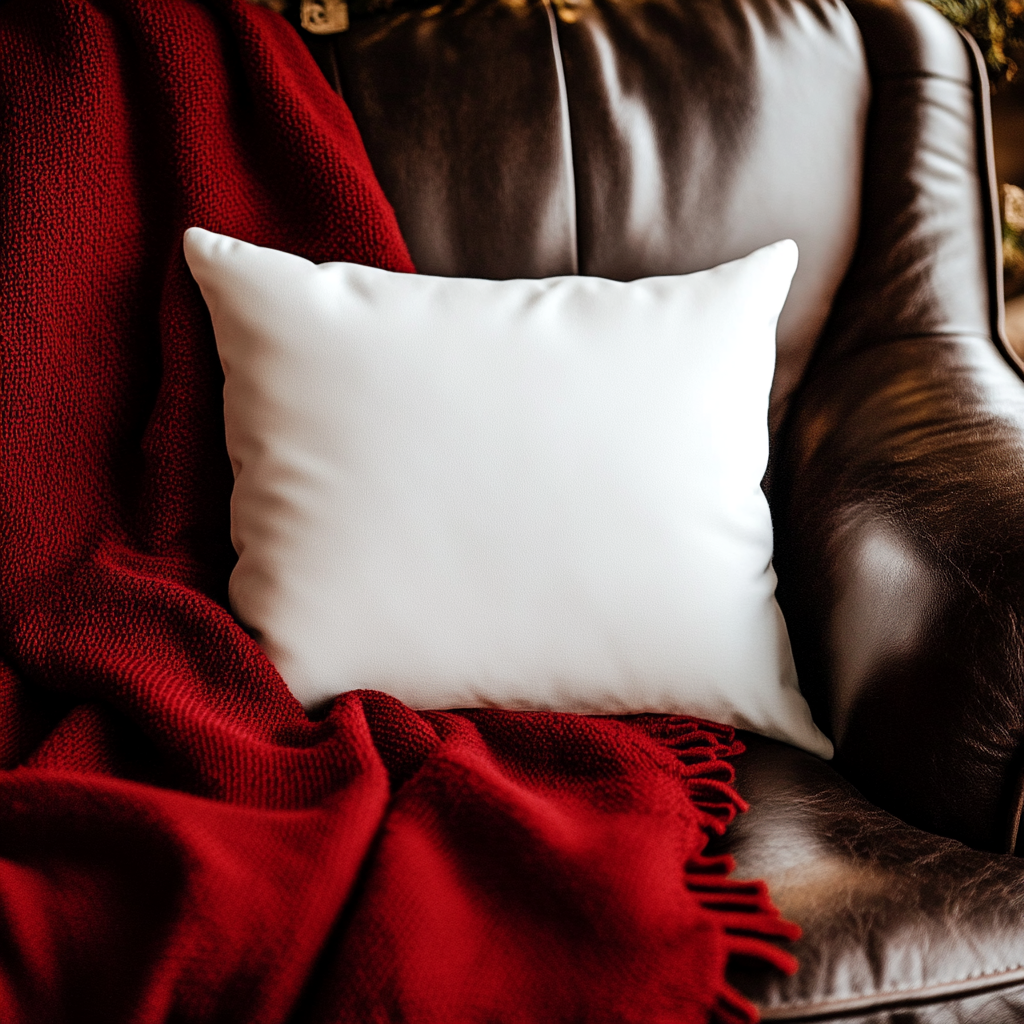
column 998, row 27
column 1013, row 237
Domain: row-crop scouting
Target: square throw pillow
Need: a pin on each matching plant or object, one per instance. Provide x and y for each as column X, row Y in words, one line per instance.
column 533, row 494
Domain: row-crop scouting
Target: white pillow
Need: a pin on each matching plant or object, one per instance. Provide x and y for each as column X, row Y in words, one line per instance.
column 517, row 494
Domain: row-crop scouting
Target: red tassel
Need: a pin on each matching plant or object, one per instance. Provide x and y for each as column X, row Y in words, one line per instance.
column 744, row 908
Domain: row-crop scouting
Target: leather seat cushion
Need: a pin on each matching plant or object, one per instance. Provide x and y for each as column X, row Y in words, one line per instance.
column 899, row 925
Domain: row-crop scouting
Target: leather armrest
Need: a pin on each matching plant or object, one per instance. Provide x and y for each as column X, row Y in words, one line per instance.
column 899, row 504
column 898, row 480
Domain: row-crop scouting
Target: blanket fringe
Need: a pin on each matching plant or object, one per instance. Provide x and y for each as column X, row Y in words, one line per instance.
column 744, row 908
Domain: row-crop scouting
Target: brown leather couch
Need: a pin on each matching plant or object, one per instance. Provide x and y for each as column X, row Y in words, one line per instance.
column 623, row 138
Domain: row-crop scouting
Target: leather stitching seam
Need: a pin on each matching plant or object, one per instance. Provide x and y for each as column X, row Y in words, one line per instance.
column 890, row 993
column 570, row 164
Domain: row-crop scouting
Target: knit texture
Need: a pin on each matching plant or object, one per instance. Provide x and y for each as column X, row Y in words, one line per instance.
column 178, row 840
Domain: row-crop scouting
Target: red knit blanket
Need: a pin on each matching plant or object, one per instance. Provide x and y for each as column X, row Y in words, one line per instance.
column 178, row 841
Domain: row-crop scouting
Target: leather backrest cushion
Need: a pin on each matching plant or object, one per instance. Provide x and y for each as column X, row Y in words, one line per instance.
column 620, row 139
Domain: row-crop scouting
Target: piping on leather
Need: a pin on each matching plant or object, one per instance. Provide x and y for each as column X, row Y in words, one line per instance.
column 829, row 1009
column 563, row 97
column 993, row 233
column 990, row 195
column 1016, row 806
